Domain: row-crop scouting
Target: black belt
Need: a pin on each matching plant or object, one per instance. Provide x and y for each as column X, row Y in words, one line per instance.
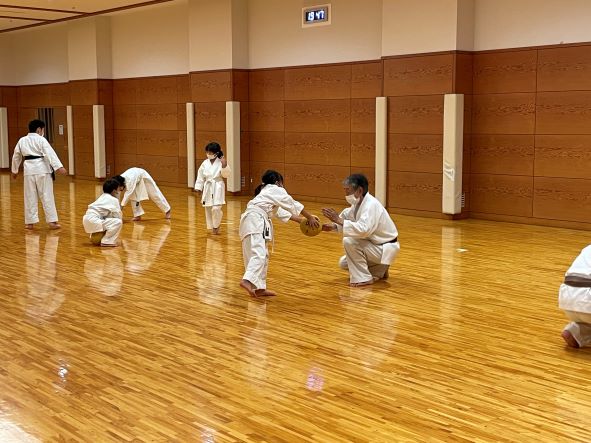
column 35, row 157
column 577, row 282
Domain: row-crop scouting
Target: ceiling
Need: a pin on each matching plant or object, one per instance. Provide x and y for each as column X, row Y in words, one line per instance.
column 29, row 13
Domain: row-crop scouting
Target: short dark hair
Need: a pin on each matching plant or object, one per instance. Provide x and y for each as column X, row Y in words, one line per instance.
column 357, row 181
column 270, row 177
column 110, row 185
column 119, row 179
column 36, row 124
column 214, row 148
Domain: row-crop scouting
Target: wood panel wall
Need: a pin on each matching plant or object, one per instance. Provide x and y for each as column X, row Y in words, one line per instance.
column 8, row 99
column 315, row 125
column 527, row 141
column 149, row 126
column 531, row 135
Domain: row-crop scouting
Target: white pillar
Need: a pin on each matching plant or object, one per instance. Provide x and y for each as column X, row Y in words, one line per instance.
column 70, row 128
column 190, row 144
column 381, row 161
column 233, row 145
column 4, row 160
column 98, row 131
column 453, row 146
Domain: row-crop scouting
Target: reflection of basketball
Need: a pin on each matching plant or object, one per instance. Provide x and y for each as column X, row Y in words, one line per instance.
column 308, row 230
column 96, row 237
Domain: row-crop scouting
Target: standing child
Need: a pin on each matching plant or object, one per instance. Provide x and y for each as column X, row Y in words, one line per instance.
column 211, row 186
column 104, row 215
column 256, row 229
column 40, row 160
column 140, row 186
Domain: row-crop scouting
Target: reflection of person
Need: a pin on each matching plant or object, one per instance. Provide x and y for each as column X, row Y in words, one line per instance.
column 43, row 296
column 211, row 285
column 141, row 252
column 140, row 186
column 105, row 214
column 574, row 298
column 370, row 237
column 40, row 160
column 104, row 270
column 256, row 229
column 210, row 184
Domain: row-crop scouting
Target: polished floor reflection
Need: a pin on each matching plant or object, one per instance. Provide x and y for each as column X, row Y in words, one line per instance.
column 155, row 341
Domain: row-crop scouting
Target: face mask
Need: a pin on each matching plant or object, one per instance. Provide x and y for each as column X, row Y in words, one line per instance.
column 351, row 199
column 211, row 156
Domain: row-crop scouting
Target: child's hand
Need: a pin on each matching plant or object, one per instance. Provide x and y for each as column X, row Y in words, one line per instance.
column 224, row 161
column 313, row 221
column 329, row 227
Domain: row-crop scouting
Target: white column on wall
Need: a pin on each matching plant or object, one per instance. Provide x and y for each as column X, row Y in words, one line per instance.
column 98, row 131
column 190, row 144
column 4, row 160
column 453, row 145
column 381, row 161
column 70, row 128
column 233, row 145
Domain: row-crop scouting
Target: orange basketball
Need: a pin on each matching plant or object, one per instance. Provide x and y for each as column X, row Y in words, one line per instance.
column 308, row 230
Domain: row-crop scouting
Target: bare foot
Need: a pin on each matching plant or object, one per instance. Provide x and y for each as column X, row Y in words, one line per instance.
column 167, row 215
column 363, row 283
column 569, row 339
column 215, row 231
column 29, row 227
column 138, row 218
column 249, row 287
column 264, row 293
column 54, row 225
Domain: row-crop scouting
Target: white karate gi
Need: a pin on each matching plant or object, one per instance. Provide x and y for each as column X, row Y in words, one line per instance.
column 141, row 186
column 576, row 301
column 37, row 176
column 368, row 232
column 256, row 230
column 210, row 180
column 104, row 215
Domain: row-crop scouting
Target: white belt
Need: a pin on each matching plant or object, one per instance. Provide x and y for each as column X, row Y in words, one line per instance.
column 268, row 233
column 208, row 187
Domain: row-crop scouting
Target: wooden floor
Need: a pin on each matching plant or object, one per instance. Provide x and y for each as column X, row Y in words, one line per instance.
column 154, row 341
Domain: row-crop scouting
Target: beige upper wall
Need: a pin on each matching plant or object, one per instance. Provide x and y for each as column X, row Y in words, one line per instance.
column 210, row 34
column 276, row 37
column 6, row 71
column 416, row 26
column 194, row 35
column 38, row 55
column 89, row 48
column 151, row 41
column 515, row 23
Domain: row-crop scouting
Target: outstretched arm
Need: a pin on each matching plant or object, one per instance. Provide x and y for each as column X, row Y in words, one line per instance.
column 17, row 158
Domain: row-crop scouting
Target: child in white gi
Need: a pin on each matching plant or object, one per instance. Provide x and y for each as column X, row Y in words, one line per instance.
column 256, row 229
column 211, row 186
column 40, row 162
column 104, row 215
column 574, row 298
column 139, row 186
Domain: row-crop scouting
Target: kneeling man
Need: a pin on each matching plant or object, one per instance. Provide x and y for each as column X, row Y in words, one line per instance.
column 370, row 237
